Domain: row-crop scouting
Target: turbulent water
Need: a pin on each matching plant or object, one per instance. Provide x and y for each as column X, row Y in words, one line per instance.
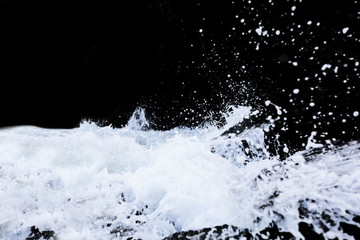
column 136, row 183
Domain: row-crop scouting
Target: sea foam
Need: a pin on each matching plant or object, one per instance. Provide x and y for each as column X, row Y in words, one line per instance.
column 104, row 183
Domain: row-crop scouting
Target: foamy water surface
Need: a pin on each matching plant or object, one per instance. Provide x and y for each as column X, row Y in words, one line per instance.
column 103, row 183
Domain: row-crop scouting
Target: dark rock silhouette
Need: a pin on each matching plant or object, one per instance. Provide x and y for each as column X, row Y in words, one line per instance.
column 36, row 234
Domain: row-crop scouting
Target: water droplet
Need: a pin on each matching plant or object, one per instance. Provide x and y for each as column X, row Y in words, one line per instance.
column 345, row 30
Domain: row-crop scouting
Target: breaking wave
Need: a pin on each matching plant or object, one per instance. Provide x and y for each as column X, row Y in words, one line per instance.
column 136, row 183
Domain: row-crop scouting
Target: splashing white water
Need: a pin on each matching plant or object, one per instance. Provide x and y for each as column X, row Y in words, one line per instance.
column 103, row 183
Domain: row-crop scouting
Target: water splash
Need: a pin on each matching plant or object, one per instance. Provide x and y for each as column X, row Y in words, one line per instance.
column 104, row 183
column 138, row 120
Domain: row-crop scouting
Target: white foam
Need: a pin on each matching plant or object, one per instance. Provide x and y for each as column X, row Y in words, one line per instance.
column 75, row 182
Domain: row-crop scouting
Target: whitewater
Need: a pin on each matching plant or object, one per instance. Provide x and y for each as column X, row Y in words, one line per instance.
column 96, row 182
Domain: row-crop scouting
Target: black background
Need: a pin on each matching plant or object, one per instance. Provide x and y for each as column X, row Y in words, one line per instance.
column 65, row 61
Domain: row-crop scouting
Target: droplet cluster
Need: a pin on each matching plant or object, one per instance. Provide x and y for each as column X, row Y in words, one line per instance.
column 300, row 55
